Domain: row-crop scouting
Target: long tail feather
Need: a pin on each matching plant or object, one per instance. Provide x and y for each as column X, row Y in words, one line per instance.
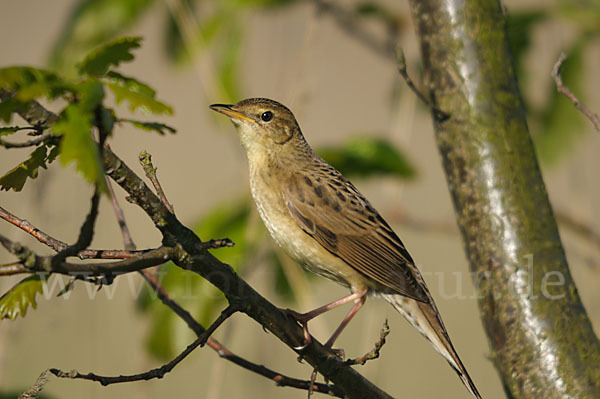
column 426, row 319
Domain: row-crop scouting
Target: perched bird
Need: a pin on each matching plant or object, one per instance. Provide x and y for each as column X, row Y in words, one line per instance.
column 326, row 225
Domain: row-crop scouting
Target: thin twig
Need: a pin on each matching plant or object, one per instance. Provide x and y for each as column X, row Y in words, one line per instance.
column 374, row 353
column 9, row 269
column 215, row 244
column 280, row 379
column 222, row 275
column 28, row 143
column 86, row 232
column 401, row 62
column 158, row 372
column 60, row 245
column 37, row 263
column 127, row 240
column 224, row 353
column 563, row 89
column 150, row 170
column 36, row 388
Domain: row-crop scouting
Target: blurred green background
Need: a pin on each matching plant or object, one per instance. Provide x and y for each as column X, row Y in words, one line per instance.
column 355, row 110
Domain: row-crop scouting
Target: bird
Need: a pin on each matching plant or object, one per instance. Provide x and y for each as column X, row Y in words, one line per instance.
column 319, row 218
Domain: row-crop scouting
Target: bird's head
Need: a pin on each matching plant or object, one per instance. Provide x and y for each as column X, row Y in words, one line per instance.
column 263, row 125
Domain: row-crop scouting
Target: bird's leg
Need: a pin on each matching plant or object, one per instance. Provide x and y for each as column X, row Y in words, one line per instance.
column 359, row 299
column 304, row 318
column 358, row 303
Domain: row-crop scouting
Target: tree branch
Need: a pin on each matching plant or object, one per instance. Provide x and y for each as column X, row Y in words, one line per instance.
column 36, row 263
column 29, row 143
column 541, row 340
column 237, row 291
column 158, row 372
column 60, row 245
column 564, row 90
column 401, row 63
column 150, row 171
column 280, row 379
column 85, row 234
column 374, row 353
column 194, row 256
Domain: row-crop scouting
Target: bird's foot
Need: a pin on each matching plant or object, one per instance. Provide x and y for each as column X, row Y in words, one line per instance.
column 303, row 319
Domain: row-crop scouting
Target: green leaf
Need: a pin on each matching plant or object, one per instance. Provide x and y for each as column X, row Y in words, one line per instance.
column 16, row 177
column 32, row 83
column 16, row 301
column 98, row 62
column 91, row 23
column 368, row 156
column 75, row 125
column 561, row 122
column 7, row 108
column 160, row 128
column 139, row 95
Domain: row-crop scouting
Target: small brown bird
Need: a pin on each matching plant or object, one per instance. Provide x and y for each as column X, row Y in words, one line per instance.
column 321, row 220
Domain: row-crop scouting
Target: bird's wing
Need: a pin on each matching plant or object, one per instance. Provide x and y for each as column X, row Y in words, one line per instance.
column 332, row 211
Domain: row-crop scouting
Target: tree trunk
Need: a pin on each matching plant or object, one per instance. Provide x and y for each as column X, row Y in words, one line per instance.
column 541, row 339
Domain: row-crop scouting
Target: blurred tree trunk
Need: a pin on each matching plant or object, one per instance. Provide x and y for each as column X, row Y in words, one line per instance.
column 541, row 339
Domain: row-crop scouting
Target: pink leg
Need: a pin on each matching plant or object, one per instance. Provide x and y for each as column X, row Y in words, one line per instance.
column 304, row 318
column 357, row 305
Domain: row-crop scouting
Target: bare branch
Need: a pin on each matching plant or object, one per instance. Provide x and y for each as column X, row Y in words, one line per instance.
column 215, row 244
column 60, row 245
column 195, row 258
column 29, row 143
column 401, row 62
column 85, row 234
column 373, row 354
column 127, row 240
column 563, row 89
column 9, row 269
column 154, row 373
column 146, row 162
column 36, row 263
column 37, row 387
column 224, row 353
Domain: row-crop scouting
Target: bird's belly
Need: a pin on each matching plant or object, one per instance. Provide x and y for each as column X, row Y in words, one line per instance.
column 300, row 246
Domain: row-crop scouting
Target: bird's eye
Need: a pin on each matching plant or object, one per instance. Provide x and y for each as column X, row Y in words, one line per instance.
column 266, row 116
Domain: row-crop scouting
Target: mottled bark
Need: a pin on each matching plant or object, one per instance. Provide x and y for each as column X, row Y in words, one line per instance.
column 541, row 339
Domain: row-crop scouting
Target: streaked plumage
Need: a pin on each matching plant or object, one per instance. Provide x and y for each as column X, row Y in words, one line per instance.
column 323, row 222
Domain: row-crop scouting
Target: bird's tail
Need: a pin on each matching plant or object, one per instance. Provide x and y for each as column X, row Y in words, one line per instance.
column 426, row 319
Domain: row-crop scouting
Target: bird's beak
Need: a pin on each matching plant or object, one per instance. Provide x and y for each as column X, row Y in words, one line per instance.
column 230, row 112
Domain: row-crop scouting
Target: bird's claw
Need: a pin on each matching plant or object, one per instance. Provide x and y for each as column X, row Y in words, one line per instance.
column 300, row 318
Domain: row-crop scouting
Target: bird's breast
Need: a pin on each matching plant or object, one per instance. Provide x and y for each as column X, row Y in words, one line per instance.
column 299, row 245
